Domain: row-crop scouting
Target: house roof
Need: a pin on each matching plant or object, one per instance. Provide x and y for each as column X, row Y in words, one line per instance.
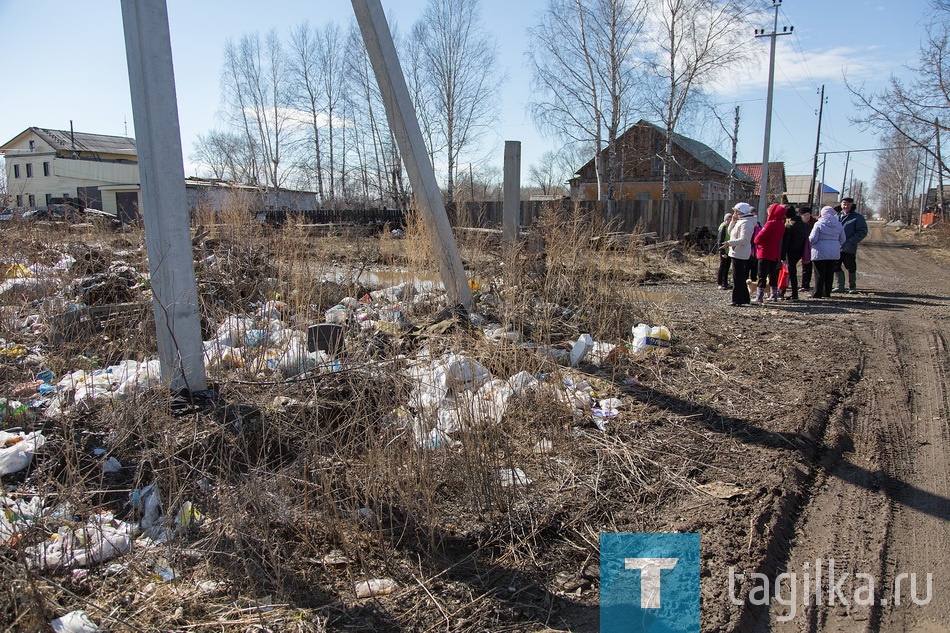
column 776, row 171
column 700, row 151
column 798, row 185
column 80, row 141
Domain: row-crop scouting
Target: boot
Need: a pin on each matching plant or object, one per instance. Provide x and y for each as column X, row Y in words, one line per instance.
column 759, row 294
column 852, row 282
column 774, row 295
column 839, row 281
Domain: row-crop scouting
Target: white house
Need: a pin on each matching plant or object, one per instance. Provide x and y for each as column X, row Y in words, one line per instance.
column 47, row 166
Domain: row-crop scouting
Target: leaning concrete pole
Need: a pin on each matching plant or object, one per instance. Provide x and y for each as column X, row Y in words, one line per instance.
column 405, row 126
column 164, row 204
column 511, row 212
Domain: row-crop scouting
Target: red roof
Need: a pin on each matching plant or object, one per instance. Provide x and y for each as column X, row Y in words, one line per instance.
column 776, row 175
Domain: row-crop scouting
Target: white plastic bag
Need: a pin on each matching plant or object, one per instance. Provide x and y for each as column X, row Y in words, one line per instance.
column 16, row 450
column 650, row 338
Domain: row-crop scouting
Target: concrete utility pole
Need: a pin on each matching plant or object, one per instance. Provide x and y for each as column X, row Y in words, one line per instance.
column 164, row 203
column 764, row 181
column 511, row 210
column 405, row 127
column 814, row 169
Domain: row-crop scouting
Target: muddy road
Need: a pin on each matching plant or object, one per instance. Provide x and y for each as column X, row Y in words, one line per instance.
column 873, row 520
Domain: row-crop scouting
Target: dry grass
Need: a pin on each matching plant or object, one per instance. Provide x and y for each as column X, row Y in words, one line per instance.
column 308, row 486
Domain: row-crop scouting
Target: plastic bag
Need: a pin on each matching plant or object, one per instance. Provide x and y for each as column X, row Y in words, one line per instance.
column 783, row 278
column 650, row 338
column 16, row 450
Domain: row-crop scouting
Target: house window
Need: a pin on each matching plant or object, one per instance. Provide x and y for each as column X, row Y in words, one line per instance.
column 29, row 170
column 643, row 196
column 16, row 171
column 32, row 200
column 19, row 201
column 32, row 145
column 46, row 170
column 679, row 196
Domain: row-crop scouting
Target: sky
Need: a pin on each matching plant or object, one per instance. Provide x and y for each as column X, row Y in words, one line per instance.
column 65, row 61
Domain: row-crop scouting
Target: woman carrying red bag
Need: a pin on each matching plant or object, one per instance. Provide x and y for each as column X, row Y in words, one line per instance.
column 794, row 247
column 768, row 250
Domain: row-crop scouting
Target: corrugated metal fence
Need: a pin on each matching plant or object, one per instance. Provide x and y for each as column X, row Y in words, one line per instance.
column 669, row 219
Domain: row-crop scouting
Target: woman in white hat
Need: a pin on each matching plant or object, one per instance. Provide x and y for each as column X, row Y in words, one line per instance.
column 740, row 250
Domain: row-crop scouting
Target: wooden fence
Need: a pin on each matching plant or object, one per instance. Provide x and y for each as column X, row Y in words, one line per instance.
column 669, row 219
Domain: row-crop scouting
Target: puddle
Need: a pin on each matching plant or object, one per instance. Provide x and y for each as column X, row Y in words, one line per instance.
column 650, row 296
column 376, row 279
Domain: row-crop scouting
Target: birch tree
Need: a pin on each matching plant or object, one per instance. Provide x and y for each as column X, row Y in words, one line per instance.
column 696, row 42
column 458, row 62
column 585, row 62
column 896, row 177
column 256, row 92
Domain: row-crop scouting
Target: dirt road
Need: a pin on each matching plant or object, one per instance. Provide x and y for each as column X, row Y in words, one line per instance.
column 874, row 521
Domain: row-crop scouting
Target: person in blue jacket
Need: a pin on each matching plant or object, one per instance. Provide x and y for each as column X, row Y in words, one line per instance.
column 855, row 230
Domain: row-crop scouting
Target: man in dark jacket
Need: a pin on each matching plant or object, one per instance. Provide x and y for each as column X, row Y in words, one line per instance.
column 855, row 230
column 793, row 246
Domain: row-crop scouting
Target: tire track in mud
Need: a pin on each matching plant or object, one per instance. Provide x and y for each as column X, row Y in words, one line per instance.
column 920, row 542
column 876, row 499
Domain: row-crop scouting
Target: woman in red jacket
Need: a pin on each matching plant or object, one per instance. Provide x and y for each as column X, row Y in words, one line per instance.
column 768, row 250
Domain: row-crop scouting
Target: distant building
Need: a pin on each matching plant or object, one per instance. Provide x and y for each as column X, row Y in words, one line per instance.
column 47, row 167
column 777, row 180
column 798, row 188
column 697, row 172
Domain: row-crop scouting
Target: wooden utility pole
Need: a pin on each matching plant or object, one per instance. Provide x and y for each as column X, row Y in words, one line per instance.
column 939, row 167
column 735, row 155
column 844, row 179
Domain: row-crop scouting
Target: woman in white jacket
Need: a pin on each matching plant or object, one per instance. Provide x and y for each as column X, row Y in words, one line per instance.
column 740, row 250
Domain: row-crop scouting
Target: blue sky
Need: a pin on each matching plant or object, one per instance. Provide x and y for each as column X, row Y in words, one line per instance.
column 65, row 60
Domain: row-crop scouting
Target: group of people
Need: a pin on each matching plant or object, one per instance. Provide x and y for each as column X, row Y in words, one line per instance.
column 827, row 245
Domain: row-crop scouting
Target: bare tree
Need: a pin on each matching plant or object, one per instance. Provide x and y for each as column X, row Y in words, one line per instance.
column 548, row 174
column 255, row 84
column 585, row 64
column 896, row 176
column 911, row 104
column 375, row 147
column 227, row 156
column 458, row 64
column 696, row 42
column 306, row 70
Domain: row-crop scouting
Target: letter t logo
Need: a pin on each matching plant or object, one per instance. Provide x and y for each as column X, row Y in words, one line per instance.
column 649, row 578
